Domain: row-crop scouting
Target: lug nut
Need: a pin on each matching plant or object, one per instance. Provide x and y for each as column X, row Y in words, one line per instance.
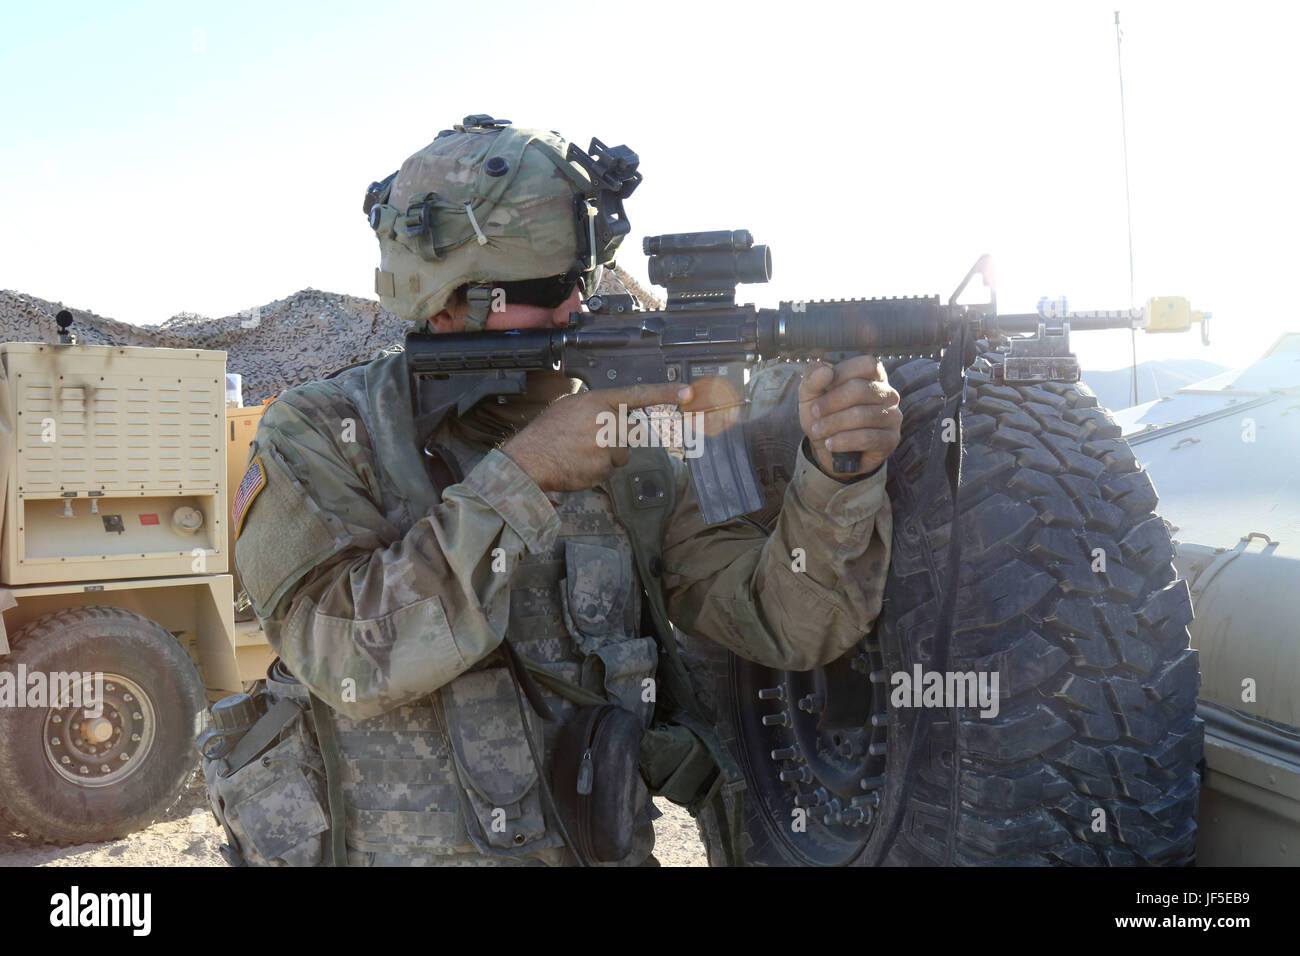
column 776, row 720
column 878, row 749
column 811, row 704
column 800, row 775
column 786, row 753
column 832, row 809
column 871, row 783
column 879, row 677
column 850, row 748
column 854, row 816
column 772, row 693
column 868, row 802
column 879, row 720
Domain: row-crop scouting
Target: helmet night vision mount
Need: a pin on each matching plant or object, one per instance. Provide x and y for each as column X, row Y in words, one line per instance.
column 602, row 223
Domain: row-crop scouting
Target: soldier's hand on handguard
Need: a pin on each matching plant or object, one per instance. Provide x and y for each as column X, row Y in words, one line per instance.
column 850, row 407
column 563, row 449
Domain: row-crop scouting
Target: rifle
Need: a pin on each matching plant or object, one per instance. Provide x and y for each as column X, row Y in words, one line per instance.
column 703, row 336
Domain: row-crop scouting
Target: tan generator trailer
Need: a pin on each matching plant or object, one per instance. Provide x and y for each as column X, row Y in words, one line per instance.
column 117, row 601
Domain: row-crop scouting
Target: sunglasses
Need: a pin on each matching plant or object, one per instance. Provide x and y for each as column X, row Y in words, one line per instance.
column 549, row 292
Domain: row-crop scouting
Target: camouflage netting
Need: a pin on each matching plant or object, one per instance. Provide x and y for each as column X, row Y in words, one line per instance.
column 282, row 344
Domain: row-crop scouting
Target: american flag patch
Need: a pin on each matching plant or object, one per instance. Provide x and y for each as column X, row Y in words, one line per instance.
column 254, row 481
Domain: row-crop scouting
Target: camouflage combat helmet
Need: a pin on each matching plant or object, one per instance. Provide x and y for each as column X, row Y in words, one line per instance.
column 486, row 204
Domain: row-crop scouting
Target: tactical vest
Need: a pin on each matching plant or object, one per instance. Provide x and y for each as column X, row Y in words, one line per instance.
column 450, row 779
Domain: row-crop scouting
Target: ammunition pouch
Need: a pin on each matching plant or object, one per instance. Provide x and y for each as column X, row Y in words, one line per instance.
column 502, row 806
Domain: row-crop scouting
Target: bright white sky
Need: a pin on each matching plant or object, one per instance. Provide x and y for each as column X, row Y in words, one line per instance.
column 209, row 157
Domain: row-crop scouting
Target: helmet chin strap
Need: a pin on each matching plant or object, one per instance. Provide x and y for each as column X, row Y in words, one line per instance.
column 480, row 304
column 591, row 264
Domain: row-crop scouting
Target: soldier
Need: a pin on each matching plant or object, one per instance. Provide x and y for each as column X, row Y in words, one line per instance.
column 422, row 573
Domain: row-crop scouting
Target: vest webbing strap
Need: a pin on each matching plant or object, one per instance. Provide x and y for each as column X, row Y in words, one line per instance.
column 565, row 688
column 523, row 677
column 261, row 734
column 329, row 752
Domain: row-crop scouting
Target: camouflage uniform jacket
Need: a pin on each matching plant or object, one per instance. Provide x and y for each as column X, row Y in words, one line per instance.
column 389, row 600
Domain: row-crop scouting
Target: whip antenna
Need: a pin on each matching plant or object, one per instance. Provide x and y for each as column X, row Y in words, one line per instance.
column 1128, row 203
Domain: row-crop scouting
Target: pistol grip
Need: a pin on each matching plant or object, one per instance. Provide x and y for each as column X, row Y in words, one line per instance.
column 846, row 462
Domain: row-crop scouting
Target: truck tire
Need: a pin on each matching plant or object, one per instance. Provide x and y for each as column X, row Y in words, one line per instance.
column 68, row 778
column 1066, row 591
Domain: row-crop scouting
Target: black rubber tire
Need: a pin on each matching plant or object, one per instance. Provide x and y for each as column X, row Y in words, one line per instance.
column 1098, row 709
column 44, row 805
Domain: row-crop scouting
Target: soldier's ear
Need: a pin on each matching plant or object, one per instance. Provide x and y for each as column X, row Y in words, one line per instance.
column 443, row 322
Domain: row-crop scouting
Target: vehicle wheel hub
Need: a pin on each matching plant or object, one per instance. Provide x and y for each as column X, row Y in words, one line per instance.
column 822, row 749
column 100, row 749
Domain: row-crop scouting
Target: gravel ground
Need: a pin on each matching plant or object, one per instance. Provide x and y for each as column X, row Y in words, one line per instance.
column 189, row 836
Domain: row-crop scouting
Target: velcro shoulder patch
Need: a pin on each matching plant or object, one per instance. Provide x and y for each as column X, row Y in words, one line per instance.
column 285, row 540
column 252, row 485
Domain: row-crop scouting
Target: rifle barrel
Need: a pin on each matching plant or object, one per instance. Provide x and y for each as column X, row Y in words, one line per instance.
column 1079, row 321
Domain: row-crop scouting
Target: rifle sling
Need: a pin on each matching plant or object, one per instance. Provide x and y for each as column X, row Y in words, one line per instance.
column 944, row 462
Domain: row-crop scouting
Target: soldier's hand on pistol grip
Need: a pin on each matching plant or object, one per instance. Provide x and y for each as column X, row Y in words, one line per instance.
column 850, row 407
